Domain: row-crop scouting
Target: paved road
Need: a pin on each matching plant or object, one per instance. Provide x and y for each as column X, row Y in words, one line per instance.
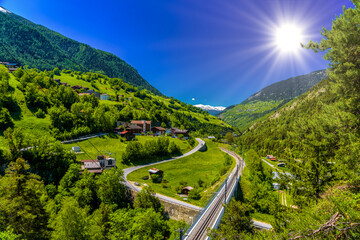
column 214, row 211
column 162, row 197
column 82, row 138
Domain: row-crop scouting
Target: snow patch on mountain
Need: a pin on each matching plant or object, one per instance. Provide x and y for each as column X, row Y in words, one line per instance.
column 4, row 10
column 208, row 107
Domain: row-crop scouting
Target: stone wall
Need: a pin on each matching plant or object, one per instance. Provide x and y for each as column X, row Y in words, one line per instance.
column 175, row 211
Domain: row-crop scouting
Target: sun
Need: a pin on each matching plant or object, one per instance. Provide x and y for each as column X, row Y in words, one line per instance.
column 288, row 38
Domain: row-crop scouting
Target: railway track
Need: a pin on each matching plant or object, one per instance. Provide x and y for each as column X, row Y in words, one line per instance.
column 213, row 212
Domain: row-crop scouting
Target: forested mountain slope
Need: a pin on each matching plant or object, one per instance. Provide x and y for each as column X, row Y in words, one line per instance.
column 32, row 100
column 269, row 99
column 39, row 47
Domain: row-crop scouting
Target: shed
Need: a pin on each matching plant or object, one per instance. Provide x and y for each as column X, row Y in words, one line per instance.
column 75, row 149
column 155, row 171
column 186, row 190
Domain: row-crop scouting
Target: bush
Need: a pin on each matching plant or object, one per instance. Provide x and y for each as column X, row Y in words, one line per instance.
column 195, row 194
column 5, row 119
column 174, row 149
column 145, row 177
column 222, row 171
column 40, row 113
column 156, row 178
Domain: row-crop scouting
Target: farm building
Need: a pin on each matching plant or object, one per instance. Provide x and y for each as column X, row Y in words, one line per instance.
column 186, row 190
column 145, row 125
column 158, row 131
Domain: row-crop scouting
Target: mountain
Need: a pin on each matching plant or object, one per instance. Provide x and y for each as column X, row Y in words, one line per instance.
column 210, row 109
column 38, row 47
column 269, row 99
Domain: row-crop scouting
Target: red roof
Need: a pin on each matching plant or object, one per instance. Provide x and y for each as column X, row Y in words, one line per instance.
column 94, row 160
column 124, row 132
column 140, row 122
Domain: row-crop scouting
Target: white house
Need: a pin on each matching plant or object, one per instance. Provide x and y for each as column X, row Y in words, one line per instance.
column 104, row 97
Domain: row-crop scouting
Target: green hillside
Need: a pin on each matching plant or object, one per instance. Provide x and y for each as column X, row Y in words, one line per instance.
column 269, row 99
column 39, row 47
column 26, row 95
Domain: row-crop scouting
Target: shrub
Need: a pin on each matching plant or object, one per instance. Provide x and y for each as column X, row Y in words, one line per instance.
column 195, row 194
column 40, row 113
column 145, row 177
column 156, row 178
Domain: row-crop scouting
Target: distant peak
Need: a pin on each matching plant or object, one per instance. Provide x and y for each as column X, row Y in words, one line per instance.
column 208, row 107
column 4, row 10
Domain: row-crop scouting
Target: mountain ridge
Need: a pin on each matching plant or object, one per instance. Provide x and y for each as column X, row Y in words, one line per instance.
column 269, row 99
column 42, row 48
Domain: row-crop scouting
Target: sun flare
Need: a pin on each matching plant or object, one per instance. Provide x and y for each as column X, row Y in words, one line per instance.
column 288, row 38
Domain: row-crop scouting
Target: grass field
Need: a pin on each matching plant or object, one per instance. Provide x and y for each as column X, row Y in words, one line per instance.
column 200, row 165
column 112, row 143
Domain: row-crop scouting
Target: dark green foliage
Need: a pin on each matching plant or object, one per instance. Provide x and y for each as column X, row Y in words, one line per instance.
column 146, row 199
column 235, row 223
column 110, row 189
column 21, row 208
column 40, row 113
column 136, row 152
column 39, row 47
column 71, row 222
column 5, row 119
column 138, row 224
column 195, row 194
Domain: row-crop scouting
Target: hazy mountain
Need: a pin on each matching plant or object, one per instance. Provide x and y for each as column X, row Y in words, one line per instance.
column 39, row 47
column 211, row 109
column 269, row 99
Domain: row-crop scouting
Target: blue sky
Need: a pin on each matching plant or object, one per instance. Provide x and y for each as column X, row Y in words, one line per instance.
column 218, row 52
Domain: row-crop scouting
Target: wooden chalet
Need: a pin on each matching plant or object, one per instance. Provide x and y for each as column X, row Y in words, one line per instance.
column 134, row 129
column 158, row 131
column 155, row 171
column 176, row 132
column 186, row 190
column 143, row 124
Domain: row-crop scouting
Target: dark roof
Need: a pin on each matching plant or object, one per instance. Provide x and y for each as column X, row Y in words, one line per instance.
column 159, row 128
column 133, row 127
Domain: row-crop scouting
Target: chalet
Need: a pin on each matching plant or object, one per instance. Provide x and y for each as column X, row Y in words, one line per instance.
column 106, row 162
column 10, row 66
column 92, row 166
column 62, row 83
column 82, row 94
column 97, row 94
column 155, row 171
column 104, row 96
column 76, row 149
column 158, row 131
column 134, row 129
column 176, row 132
column 271, row 157
column 98, row 165
column 145, row 125
column 128, row 135
column 76, row 87
column 186, row 190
